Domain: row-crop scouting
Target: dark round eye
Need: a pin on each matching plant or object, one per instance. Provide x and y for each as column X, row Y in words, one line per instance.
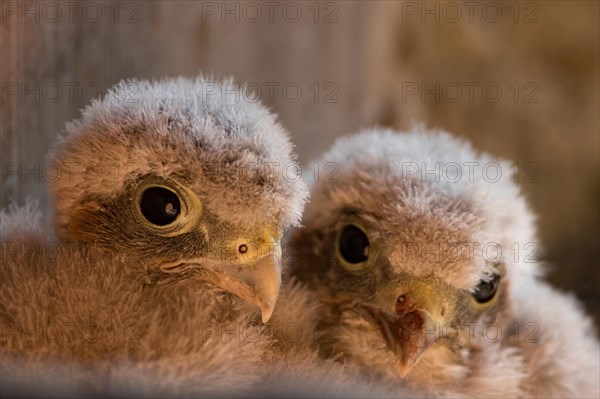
column 354, row 245
column 160, row 206
column 486, row 290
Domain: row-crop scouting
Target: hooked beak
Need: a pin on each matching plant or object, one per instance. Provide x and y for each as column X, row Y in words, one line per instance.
column 408, row 335
column 412, row 317
column 257, row 283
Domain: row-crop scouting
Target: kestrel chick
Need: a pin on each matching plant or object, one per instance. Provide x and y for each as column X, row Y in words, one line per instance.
column 185, row 175
column 170, row 203
column 422, row 256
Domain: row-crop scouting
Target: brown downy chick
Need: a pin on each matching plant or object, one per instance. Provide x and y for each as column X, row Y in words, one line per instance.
column 411, row 253
column 170, row 202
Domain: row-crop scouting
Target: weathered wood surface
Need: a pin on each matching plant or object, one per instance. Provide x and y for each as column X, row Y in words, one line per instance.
column 357, row 64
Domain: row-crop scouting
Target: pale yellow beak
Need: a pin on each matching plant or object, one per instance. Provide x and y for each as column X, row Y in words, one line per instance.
column 413, row 316
column 257, row 281
column 258, row 284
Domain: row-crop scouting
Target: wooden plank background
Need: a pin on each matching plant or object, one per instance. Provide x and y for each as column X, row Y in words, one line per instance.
column 355, row 64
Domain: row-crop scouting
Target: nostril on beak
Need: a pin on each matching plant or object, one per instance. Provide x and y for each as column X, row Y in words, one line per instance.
column 443, row 311
column 402, row 304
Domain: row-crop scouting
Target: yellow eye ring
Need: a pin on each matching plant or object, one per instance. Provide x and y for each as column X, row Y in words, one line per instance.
column 167, row 208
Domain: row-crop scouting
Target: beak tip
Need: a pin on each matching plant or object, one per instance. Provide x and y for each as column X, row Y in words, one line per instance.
column 404, row 369
column 268, row 289
column 268, row 306
column 266, row 315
